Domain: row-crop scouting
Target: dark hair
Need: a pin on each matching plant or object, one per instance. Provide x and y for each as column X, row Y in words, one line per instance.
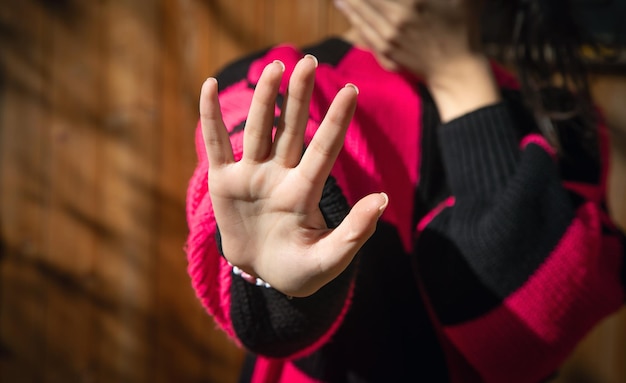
column 544, row 47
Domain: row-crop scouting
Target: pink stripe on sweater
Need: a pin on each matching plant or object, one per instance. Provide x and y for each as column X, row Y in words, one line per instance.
column 539, row 140
column 288, row 54
column 574, row 263
column 448, row 202
column 235, row 103
column 267, row 370
column 207, row 268
column 278, row 371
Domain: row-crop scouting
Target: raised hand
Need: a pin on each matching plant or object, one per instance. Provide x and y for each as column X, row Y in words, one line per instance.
column 266, row 204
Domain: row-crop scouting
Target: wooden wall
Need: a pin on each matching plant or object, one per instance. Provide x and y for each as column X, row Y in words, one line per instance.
column 98, row 104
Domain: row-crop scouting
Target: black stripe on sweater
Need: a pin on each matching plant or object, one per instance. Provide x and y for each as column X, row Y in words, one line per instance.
column 387, row 334
column 237, row 70
column 330, row 51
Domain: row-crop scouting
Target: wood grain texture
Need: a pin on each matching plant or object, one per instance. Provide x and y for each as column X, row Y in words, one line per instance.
column 98, row 106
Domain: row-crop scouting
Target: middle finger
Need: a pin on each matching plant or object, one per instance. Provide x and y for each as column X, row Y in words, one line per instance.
column 257, row 137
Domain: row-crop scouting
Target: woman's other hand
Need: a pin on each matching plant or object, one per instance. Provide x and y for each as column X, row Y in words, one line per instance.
column 437, row 40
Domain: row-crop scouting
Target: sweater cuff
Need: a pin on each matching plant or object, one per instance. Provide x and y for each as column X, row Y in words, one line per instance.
column 480, row 150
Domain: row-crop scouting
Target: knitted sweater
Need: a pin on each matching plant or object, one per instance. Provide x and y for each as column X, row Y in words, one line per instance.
column 492, row 260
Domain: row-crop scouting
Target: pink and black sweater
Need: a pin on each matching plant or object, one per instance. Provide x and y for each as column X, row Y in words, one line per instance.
column 492, row 260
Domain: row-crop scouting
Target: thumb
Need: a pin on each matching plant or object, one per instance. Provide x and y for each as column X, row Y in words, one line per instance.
column 342, row 244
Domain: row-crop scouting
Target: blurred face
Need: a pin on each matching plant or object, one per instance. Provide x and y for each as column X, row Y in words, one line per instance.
column 392, row 29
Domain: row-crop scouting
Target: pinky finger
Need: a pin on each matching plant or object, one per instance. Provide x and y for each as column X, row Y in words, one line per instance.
column 216, row 140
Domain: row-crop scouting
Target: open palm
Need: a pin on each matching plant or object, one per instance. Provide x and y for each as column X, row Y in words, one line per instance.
column 267, row 204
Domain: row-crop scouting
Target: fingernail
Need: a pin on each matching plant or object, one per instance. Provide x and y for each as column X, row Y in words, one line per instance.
column 340, row 4
column 356, row 89
column 313, row 58
column 207, row 82
column 281, row 64
column 382, row 207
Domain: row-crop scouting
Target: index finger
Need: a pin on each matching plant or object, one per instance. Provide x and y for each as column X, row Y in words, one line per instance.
column 216, row 140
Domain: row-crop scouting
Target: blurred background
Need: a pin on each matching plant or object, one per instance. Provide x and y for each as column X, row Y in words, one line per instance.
column 98, row 106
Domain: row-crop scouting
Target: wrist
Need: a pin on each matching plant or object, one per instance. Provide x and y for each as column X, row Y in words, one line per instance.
column 462, row 86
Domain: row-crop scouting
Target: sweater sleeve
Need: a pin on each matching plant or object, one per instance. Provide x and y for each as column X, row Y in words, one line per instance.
column 260, row 319
column 519, row 266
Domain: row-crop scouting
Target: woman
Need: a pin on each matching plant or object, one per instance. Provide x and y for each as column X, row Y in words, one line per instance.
column 429, row 231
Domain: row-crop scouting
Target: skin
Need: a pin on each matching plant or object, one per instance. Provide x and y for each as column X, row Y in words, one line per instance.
column 266, row 205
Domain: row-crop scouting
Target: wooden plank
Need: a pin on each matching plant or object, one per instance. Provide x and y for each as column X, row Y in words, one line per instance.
column 240, row 27
column 333, row 22
column 72, row 225
column 600, row 356
column 124, row 270
column 295, row 21
column 22, row 183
